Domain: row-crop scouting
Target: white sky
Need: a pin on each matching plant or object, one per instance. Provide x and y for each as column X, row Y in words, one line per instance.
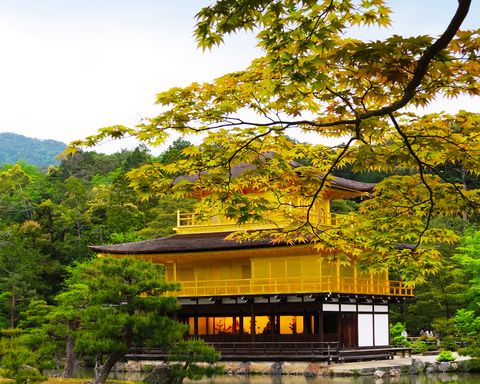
column 69, row 67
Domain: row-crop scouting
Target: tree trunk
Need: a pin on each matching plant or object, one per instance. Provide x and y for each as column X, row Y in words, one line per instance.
column 70, row 359
column 179, row 379
column 102, row 371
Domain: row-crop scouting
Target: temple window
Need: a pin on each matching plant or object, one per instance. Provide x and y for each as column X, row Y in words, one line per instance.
column 291, row 325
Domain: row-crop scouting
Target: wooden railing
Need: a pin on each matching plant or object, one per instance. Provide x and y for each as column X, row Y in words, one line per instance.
column 326, row 351
column 283, row 350
column 191, row 223
column 325, row 284
column 234, row 350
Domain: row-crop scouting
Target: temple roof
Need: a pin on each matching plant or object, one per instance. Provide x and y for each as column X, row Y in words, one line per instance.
column 352, row 184
column 213, row 241
column 335, row 181
column 198, row 242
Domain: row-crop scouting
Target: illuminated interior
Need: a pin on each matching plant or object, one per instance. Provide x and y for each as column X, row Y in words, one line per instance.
column 283, row 324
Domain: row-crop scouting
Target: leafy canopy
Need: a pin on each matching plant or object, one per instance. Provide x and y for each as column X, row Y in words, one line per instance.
column 123, row 304
column 314, row 78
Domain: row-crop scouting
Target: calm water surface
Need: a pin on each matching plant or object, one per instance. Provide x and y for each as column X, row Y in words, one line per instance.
column 431, row 379
column 462, row 378
column 452, row 378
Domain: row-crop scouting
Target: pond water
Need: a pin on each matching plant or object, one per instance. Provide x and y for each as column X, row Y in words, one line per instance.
column 460, row 378
column 463, row 378
column 430, row 379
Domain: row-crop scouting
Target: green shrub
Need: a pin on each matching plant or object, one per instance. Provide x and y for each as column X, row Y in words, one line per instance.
column 472, row 365
column 448, row 343
column 443, row 327
column 418, row 346
column 396, row 337
column 430, row 342
column 446, row 356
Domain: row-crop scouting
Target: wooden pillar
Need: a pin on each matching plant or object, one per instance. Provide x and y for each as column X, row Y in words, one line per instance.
column 320, row 323
column 340, row 327
column 373, row 326
column 306, row 325
column 252, row 321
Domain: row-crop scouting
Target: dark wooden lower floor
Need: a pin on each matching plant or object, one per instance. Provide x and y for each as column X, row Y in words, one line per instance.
column 314, row 327
column 349, row 321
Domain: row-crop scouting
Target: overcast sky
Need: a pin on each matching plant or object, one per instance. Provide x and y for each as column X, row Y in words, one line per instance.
column 69, row 67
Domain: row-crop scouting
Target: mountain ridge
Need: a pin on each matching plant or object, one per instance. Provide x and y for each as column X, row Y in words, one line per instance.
column 40, row 152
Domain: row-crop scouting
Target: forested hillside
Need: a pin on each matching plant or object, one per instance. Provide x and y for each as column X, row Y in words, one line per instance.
column 15, row 148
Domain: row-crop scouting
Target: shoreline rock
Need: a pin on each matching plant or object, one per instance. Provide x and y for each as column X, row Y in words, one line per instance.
column 315, row 369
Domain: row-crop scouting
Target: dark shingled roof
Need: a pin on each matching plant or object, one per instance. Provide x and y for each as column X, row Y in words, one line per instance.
column 240, row 169
column 352, row 184
column 198, row 242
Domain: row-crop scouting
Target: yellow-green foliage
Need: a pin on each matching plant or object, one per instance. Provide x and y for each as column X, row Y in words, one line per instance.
column 312, row 77
column 445, row 356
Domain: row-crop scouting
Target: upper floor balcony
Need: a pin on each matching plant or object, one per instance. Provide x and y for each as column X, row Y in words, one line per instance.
column 300, row 285
column 188, row 222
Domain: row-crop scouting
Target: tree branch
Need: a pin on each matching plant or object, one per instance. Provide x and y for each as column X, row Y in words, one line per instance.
column 424, row 61
column 421, row 172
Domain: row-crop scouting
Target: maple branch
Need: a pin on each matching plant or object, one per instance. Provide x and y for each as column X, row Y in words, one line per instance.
column 420, row 71
column 434, row 170
column 424, row 61
column 317, row 19
column 421, row 171
column 344, row 99
column 325, row 176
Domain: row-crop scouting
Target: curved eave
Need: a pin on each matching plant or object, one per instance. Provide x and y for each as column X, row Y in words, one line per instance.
column 197, row 242
column 217, row 254
column 356, row 188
